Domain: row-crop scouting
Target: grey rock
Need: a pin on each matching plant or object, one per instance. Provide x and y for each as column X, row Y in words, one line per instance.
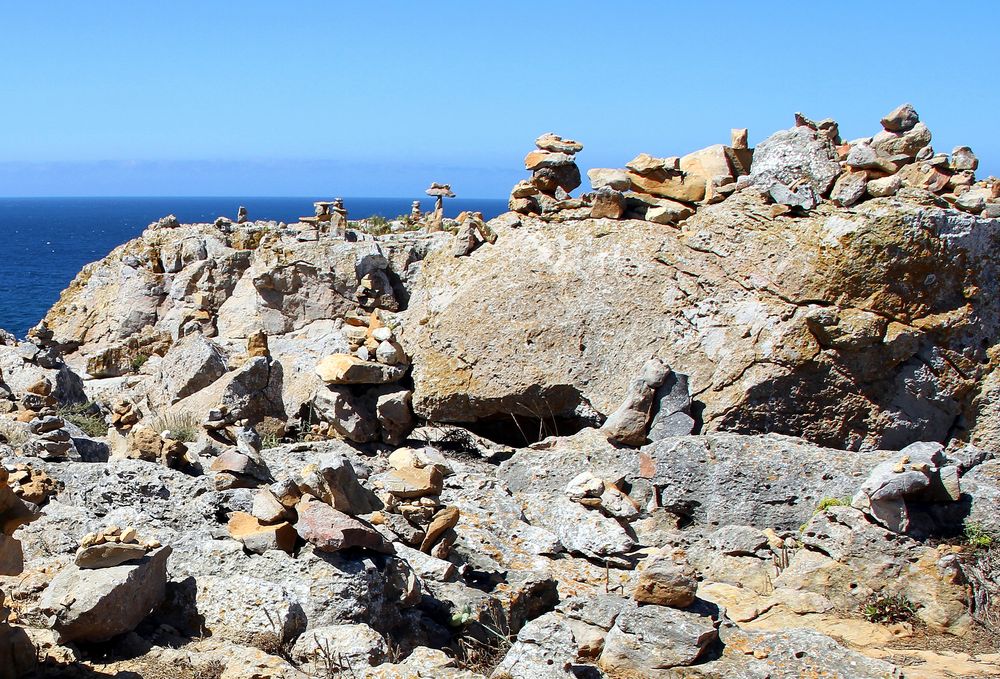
column 395, row 415
column 346, row 414
column 98, row 605
column 190, row 365
column 579, row 529
column 332, row 479
column 982, row 483
column 791, row 654
column 650, row 640
column 355, row 646
column 798, row 154
column 671, row 409
column 901, row 118
column 544, row 649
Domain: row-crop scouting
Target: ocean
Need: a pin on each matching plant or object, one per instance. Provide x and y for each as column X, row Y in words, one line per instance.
column 44, row 242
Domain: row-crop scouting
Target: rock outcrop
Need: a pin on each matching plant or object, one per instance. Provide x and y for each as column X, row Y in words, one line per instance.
column 728, row 414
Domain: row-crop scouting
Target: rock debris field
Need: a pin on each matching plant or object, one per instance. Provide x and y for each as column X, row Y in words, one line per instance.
column 731, row 414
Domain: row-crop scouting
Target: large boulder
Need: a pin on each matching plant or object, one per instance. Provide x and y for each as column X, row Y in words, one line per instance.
column 98, row 605
column 769, row 317
column 190, row 365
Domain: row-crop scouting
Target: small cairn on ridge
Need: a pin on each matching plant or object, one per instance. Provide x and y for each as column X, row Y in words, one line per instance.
column 796, row 168
column 439, row 192
column 554, row 173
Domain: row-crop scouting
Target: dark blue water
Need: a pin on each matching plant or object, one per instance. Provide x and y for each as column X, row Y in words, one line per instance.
column 45, row 241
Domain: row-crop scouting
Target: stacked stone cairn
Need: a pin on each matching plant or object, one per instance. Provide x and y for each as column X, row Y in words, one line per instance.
column 912, row 492
column 898, row 158
column 413, row 512
column 554, row 174
column 50, row 440
column 31, row 485
column 361, row 401
column 439, row 192
column 321, row 505
column 797, row 168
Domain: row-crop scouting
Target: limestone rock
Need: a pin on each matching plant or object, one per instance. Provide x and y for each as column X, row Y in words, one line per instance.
column 347, row 369
column 413, row 482
column 849, row 188
column 332, row 479
column 616, row 180
column 108, row 555
column 650, row 640
column 796, row 155
column 190, row 365
column 556, row 144
column 664, row 583
column 608, row 204
column 97, row 605
column 477, row 356
column 258, row 537
column 356, row 646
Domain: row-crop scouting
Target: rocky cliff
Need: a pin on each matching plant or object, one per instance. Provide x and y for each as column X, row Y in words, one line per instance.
column 729, row 414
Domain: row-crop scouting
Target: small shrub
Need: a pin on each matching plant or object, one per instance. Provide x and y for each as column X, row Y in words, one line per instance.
column 482, row 645
column 271, row 431
column 183, row 426
column 828, row 502
column 86, row 416
column 886, row 609
column 977, row 537
column 138, row 361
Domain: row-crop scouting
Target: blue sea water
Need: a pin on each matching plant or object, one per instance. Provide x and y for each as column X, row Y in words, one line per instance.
column 44, row 242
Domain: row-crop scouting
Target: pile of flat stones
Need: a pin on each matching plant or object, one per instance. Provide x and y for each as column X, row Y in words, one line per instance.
column 113, row 546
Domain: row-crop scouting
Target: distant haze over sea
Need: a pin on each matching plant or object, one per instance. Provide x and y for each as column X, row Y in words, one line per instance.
column 46, row 241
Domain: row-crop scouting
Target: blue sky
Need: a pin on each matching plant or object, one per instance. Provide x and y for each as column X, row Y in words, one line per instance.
column 379, row 99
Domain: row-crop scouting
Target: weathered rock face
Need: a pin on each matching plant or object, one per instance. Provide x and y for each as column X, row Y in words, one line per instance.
column 861, row 329
column 199, row 292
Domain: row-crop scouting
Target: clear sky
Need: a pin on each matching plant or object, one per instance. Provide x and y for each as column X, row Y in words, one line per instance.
column 379, row 99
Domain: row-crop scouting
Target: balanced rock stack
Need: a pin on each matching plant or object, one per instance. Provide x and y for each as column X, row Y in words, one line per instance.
column 554, row 173
column 124, row 415
column 242, row 466
column 360, row 403
column 50, row 439
column 903, row 493
column 39, row 348
column 38, row 401
column 413, row 511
